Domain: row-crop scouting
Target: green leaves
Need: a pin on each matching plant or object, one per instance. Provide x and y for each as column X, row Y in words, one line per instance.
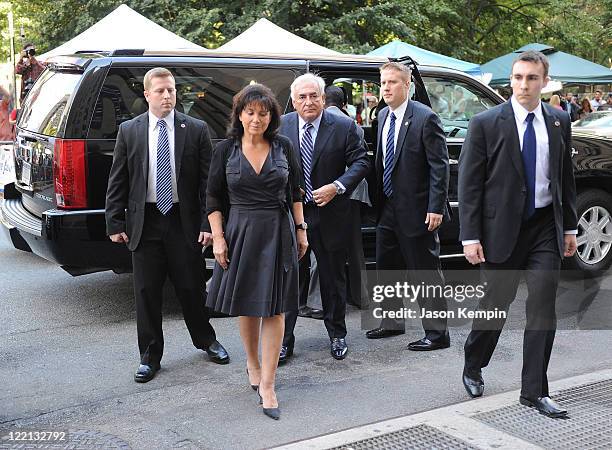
column 473, row 30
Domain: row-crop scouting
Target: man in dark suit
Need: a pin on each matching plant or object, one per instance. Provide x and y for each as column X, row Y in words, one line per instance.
column 412, row 172
column 571, row 106
column 156, row 205
column 333, row 161
column 357, row 288
column 517, row 210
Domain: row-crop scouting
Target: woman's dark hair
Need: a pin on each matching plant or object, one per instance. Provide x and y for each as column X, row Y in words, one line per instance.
column 587, row 102
column 262, row 95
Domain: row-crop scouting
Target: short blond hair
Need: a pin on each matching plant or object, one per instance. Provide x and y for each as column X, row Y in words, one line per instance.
column 403, row 69
column 157, row 72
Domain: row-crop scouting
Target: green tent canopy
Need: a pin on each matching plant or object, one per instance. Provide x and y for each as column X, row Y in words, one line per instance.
column 397, row 49
column 563, row 67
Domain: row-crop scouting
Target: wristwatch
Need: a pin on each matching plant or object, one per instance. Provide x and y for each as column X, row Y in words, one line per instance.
column 339, row 189
column 302, row 226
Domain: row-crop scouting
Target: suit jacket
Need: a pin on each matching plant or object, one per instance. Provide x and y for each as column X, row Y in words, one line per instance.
column 127, row 183
column 492, row 189
column 421, row 169
column 572, row 110
column 339, row 154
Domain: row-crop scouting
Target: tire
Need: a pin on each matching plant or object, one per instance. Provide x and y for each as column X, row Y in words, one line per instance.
column 594, row 254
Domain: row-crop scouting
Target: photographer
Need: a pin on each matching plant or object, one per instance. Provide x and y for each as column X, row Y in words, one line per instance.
column 29, row 68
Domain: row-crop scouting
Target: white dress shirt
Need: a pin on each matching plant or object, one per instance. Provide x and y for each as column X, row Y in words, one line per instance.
column 153, row 137
column 543, row 195
column 399, row 117
column 315, row 130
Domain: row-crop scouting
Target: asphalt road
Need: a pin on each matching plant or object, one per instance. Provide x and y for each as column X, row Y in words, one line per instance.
column 68, row 352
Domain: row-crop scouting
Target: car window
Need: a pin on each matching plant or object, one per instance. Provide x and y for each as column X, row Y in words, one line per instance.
column 44, row 107
column 361, row 99
column 595, row 120
column 456, row 103
column 203, row 93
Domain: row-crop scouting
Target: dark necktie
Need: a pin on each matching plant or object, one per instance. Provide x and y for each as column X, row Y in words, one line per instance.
column 389, row 156
column 306, row 152
column 164, row 170
column 529, row 163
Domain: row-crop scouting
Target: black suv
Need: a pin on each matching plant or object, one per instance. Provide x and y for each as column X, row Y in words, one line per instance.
column 68, row 124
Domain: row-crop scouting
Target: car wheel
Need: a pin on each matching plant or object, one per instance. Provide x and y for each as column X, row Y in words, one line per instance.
column 594, row 253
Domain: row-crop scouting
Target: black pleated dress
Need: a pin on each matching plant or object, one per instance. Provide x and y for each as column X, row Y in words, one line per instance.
column 262, row 275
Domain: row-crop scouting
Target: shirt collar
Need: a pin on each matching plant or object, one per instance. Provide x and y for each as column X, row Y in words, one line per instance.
column 400, row 110
column 315, row 123
column 520, row 113
column 169, row 119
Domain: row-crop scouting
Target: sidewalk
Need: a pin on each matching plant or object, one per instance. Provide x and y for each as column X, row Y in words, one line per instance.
column 68, row 354
column 498, row 421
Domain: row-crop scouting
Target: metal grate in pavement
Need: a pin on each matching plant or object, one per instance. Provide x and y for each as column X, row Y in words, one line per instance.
column 420, row 437
column 75, row 440
column 589, row 425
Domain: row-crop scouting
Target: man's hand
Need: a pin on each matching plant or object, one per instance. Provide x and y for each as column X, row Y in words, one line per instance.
column 434, row 220
column 570, row 245
column 324, row 194
column 474, row 253
column 119, row 238
column 220, row 251
column 302, row 242
column 205, row 238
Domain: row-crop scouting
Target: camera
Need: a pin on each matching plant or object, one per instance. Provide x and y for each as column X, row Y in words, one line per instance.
column 28, row 52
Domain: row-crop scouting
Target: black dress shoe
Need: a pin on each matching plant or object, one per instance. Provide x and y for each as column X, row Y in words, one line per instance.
column 473, row 383
column 316, row 314
column 545, row 405
column 217, row 353
column 145, row 373
column 339, row 348
column 425, row 345
column 379, row 333
column 285, row 353
column 311, row 313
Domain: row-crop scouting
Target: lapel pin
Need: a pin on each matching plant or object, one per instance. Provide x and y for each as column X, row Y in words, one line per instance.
column 406, row 124
column 182, row 125
column 557, row 123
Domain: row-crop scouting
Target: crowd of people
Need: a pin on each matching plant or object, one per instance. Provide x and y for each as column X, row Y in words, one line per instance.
column 280, row 187
column 580, row 108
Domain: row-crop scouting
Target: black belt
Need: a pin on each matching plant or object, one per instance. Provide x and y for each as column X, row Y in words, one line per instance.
column 152, row 207
column 539, row 212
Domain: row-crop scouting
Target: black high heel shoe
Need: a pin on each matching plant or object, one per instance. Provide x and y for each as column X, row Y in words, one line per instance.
column 273, row 413
column 253, row 386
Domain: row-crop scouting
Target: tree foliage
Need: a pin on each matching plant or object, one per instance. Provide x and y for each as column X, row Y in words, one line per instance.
column 473, row 30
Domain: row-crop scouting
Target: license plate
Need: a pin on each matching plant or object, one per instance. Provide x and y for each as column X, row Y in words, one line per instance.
column 26, row 172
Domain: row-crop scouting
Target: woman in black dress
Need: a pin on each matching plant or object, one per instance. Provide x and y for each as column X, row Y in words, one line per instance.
column 254, row 189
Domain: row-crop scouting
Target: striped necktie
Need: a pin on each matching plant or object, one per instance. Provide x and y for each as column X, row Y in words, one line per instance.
column 306, row 150
column 389, row 156
column 164, row 170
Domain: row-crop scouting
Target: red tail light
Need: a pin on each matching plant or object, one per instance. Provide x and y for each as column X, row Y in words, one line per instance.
column 69, row 174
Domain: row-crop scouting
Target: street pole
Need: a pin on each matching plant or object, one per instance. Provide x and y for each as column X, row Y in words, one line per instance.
column 12, row 51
